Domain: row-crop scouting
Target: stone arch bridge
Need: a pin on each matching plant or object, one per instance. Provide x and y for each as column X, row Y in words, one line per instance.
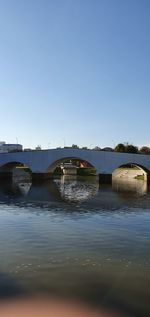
column 42, row 163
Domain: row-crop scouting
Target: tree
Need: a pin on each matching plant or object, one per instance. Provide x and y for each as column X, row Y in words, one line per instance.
column 129, row 148
column 38, row 148
column 120, row 147
column 74, row 146
column 145, row 150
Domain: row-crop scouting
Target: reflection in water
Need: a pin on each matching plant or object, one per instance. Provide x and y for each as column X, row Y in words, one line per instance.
column 44, row 193
column 11, row 189
column 132, row 186
column 66, row 188
column 99, row 253
column 77, row 189
column 24, row 188
column 21, row 175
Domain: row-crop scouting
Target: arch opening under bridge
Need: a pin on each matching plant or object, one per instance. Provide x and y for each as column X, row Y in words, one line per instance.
column 84, row 167
column 16, row 171
column 131, row 171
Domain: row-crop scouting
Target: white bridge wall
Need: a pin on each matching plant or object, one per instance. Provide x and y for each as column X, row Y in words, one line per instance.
column 104, row 162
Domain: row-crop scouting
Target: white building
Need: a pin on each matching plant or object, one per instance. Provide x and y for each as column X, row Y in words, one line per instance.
column 6, row 148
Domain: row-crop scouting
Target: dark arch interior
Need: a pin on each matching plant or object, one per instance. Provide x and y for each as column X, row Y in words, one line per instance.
column 16, row 170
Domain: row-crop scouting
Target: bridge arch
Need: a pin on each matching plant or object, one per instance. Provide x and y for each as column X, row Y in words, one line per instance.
column 83, row 163
column 133, row 165
column 15, row 169
column 9, row 166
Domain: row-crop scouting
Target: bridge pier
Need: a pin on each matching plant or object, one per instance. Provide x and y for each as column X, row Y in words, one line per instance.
column 105, row 178
column 41, row 177
column 148, row 178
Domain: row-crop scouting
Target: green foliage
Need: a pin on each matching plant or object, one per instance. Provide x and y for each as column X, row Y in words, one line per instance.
column 75, row 146
column 120, row 148
column 126, row 148
column 140, row 177
column 86, row 171
column 129, row 148
column 145, row 150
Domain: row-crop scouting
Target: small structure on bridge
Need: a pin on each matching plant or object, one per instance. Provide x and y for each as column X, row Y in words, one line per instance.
column 68, row 168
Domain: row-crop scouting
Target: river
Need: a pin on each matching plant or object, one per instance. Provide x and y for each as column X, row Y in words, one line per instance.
column 74, row 237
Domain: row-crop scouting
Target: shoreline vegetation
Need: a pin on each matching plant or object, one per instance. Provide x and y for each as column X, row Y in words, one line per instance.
column 120, row 147
column 139, row 177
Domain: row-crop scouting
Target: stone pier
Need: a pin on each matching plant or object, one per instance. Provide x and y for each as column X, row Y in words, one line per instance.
column 147, row 178
column 41, row 177
column 105, row 178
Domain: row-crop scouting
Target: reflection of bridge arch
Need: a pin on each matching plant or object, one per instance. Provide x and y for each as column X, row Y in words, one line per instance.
column 51, row 168
column 130, row 187
column 76, row 190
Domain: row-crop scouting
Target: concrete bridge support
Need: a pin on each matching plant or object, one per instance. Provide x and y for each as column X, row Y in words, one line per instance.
column 147, row 178
column 105, row 178
column 41, row 177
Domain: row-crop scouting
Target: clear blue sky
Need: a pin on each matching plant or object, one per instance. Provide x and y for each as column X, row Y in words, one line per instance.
column 75, row 71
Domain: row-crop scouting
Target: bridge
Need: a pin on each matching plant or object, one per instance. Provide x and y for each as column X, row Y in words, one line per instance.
column 42, row 163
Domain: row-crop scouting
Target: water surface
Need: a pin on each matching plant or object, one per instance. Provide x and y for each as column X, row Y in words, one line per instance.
column 74, row 237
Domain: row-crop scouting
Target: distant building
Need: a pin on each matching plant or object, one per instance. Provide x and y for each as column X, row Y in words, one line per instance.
column 38, row 148
column 6, row 148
